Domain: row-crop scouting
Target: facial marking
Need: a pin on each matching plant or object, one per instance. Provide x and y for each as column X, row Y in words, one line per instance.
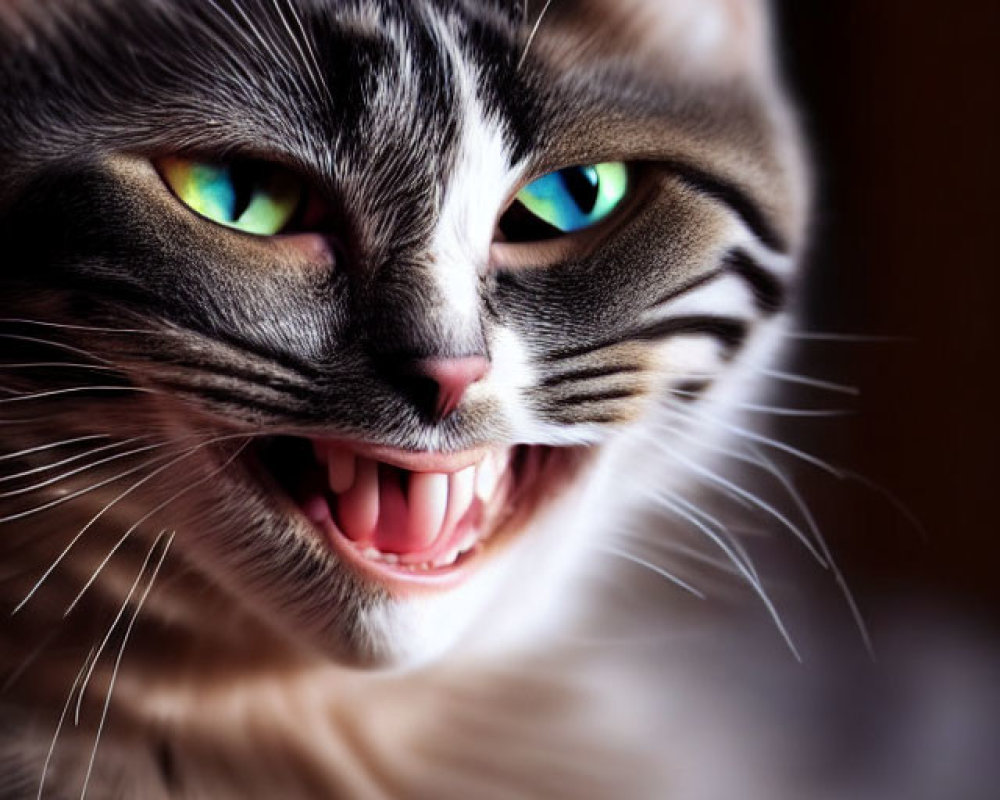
column 474, row 196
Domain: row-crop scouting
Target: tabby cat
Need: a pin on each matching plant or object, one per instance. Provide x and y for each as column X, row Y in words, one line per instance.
column 342, row 341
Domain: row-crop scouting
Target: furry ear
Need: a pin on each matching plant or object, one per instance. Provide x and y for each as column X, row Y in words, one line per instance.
column 709, row 37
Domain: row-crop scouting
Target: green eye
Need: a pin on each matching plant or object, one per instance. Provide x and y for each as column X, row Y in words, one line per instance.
column 567, row 201
column 252, row 197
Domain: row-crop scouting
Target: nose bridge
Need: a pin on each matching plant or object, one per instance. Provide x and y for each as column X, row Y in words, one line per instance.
column 426, row 353
column 409, row 315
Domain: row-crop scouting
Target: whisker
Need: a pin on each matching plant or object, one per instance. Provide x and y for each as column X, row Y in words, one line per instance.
column 838, row 574
column 70, row 497
column 776, row 411
column 58, row 345
column 819, row 336
column 534, row 32
column 76, row 390
column 135, row 486
column 60, row 365
column 756, row 584
column 721, row 529
column 815, row 383
column 892, row 499
column 86, row 467
column 751, row 498
column 118, row 661
column 701, row 417
column 111, row 628
column 52, row 446
column 663, row 573
column 117, row 546
column 62, row 720
column 69, row 327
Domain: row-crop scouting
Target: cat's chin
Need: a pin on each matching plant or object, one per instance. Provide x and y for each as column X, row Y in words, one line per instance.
column 447, row 540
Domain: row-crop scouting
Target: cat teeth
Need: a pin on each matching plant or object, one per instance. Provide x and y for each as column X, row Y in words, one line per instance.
column 487, row 478
column 428, row 506
column 469, row 543
column 341, row 469
column 461, row 493
column 409, row 520
column 447, row 559
column 358, row 508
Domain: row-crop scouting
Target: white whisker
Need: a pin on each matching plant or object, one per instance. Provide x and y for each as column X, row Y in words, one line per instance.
column 58, row 345
column 56, row 464
column 111, row 628
column 62, row 721
column 760, row 439
column 812, row 336
column 117, row 546
column 755, row 583
column 534, row 32
column 663, row 573
column 52, row 446
column 67, row 326
column 751, row 498
column 24, row 398
column 722, row 529
column 134, row 487
column 814, row 383
column 85, row 468
column 117, row 665
column 838, row 574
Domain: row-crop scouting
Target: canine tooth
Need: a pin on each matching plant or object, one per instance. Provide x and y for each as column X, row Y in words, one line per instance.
column 371, row 554
column 461, row 491
column 447, row 559
column 358, row 508
column 468, row 542
column 428, row 505
column 486, row 479
column 341, row 465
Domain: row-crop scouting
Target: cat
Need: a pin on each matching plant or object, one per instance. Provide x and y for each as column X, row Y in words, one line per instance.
column 342, row 341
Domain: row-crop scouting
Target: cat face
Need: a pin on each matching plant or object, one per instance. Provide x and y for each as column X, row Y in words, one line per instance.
column 370, row 309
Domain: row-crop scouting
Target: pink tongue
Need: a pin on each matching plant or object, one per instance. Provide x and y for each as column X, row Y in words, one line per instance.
column 377, row 512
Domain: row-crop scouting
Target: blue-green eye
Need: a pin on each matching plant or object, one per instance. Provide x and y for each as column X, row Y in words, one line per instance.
column 567, row 201
column 251, row 197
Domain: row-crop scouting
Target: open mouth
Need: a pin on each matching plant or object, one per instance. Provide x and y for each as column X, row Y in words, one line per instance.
column 410, row 519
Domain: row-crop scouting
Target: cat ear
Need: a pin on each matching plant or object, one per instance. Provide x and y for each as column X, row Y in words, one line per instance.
column 714, row 37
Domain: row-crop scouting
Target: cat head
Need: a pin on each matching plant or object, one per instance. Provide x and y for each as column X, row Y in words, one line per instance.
column 370, row 309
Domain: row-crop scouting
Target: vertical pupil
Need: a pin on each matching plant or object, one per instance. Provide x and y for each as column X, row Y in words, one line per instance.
column 583, row 185
column 243, row 179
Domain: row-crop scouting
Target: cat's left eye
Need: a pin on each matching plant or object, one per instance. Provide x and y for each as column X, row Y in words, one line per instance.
column 564, row 202
column 249, row 196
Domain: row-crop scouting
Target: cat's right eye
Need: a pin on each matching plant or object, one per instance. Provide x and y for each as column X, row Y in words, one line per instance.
column 249, row 196
column 568, row 201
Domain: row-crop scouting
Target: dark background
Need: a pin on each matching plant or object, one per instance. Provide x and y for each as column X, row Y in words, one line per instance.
column 899, row 98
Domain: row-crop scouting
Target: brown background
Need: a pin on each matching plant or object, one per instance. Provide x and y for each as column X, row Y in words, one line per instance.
column 900, row 99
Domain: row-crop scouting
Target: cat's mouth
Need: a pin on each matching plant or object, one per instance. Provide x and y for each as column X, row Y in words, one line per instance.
column 415, row 519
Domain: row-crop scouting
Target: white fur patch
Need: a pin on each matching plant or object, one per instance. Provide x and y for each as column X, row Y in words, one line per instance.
column 477, row 190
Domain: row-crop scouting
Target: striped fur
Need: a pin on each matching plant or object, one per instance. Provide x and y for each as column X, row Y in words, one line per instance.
column 143, row 351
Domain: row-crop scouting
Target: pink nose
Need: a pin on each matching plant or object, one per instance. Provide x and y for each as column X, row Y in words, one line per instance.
column 453, row 377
